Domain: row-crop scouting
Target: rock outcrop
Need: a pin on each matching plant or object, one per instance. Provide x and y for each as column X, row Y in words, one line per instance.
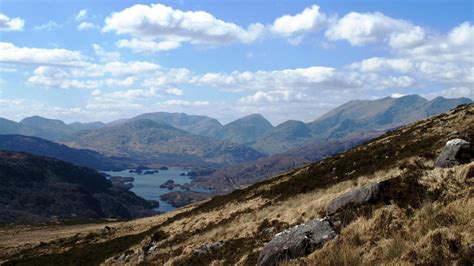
column 295, row 242
column 455, row 152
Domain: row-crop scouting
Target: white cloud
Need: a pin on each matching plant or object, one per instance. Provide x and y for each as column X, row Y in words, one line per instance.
column 49, row 26
column 54, row 77
column 379, row 64
column 81, row 15
column 164, row 23
column 184, row 103
column 365, row 28
column 143, row 46
column 86, row 26
column 175, row 91
column 317, row 78
column 11, row 24
column 9, row 53
column 261, row 97
column 105, row 56
column 310, row 19
column 454, row 92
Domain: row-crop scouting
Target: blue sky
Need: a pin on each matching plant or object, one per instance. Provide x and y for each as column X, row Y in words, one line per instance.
column 104, row 60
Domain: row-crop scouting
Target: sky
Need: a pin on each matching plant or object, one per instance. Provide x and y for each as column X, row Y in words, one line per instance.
column 104, row 60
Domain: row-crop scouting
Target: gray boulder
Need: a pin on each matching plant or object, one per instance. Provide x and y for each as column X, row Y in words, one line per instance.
column 295, row 242
column 455, row 152
column 355, row 196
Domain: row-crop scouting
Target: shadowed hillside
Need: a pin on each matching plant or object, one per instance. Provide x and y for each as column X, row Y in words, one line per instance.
column 35, row 189
column 37, row 146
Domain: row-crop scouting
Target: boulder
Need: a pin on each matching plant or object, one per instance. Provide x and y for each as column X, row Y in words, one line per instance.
column 455, row 152
column 208, row 248
column 295, row 242
column 355, row 196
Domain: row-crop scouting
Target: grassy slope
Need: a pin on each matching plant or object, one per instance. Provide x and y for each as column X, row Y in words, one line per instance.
column 300, row 195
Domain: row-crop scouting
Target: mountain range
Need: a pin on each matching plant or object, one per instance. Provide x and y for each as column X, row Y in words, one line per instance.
column 383, row 202
column 192, row 140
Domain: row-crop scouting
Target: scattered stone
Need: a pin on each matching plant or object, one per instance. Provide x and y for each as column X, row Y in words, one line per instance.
column 295, row 242
column 455, row 152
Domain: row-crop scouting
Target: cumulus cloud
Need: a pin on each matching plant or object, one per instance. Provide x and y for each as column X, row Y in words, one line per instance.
column 443, row 59
column 275, row 96
column 11, row 24
column 9, row 53
column 161, row 22
column 104, row 55
column 364, row 28
column 49, row 26
column 91, row 76
column 147, row 46
column 310, row 19
column 50, row 77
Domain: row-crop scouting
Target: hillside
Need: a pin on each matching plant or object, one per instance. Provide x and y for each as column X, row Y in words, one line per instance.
column 55, row 129
column 37, row 189
column 195, row 124
column 244, row 130
column 158, row 143
column 42, row 147
column 417, row 216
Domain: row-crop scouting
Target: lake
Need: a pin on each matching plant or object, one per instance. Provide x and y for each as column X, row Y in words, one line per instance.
column 148, row 186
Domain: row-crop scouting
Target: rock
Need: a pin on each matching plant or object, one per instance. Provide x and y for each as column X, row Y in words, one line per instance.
column 455, row 152
column 355, row 196
column 163, row 168
column 208, row 248
column 295, row 242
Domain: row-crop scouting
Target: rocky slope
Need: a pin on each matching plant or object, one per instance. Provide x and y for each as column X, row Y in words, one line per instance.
column 159, row 143
column 42, row 147
column 418, row 216
column 35, row 189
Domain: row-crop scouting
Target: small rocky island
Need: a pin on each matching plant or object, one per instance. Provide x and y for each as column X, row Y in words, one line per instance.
column 122, row 181
column 170, row 184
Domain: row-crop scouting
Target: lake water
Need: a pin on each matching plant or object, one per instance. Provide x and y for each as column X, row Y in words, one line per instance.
column 148, row 186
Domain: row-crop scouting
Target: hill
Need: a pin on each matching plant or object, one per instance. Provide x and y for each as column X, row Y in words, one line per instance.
column 36, row 189
column 244, row 130
column 158, row 143
column 404, row 211
column 38, row 146
column 78, row 126
column 195, row 124
column 54, row 129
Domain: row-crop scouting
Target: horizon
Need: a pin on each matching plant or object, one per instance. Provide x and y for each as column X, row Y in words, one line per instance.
column 284, row 60
column 228, row 122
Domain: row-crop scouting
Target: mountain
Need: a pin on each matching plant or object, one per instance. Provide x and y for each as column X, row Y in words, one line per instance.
column 35, row 188
column 283, row 137
column 55, row 129
column 232, row 177
column 195, row 124
column 382, row 202
column 42, row 147
column 378, row 115
column 12, row 127
column 244, row 130
column 159, row 143
column 77, row 126
column 440, row 104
